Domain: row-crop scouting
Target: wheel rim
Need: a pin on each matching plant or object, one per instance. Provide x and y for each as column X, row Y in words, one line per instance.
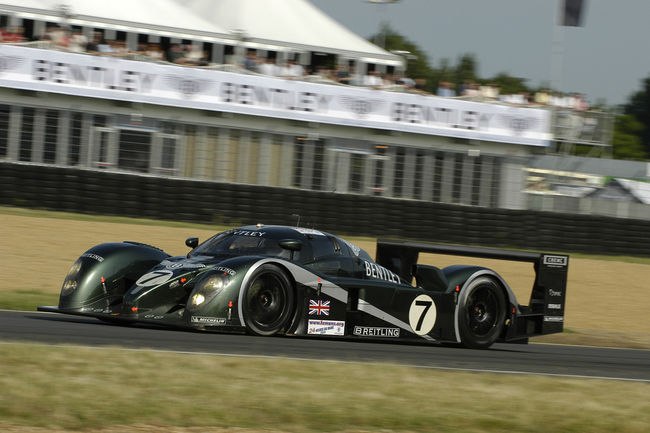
column 482, row 311
column 266, row 300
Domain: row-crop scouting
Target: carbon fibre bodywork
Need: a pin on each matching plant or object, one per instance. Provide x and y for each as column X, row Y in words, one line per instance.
column 270, row 280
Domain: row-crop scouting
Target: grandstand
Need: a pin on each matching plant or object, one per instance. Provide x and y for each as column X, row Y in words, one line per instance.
column 122, row 111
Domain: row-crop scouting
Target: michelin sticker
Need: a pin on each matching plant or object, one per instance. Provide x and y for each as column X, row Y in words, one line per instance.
column 422, row 315
column 208, row 320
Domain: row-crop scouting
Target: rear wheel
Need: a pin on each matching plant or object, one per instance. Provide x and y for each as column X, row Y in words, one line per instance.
column 268, row 301
column 482, row 314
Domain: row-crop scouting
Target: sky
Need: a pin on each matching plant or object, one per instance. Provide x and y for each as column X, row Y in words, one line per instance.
column 605, row 59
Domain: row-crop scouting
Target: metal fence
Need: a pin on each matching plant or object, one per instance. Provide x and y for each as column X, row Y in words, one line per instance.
column 101, row 192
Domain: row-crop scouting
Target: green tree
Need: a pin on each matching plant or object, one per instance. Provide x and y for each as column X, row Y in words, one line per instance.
column 626, row 142
column 417, row 62
column 466, row 69
column 509, row 85
column 639, row 107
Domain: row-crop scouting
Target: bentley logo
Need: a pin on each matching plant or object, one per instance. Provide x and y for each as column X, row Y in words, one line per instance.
column 8, row 63
column 361, row 106
column 188, row 87
column 519, row 124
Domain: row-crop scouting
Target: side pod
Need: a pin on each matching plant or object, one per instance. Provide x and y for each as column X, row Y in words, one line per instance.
column 545, row 312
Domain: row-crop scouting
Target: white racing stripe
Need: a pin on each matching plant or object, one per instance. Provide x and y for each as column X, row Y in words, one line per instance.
column 330, row 289
column 374, row 311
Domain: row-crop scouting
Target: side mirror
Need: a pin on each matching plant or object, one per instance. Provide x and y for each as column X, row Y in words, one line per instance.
column 292, row 245
column 192, row 242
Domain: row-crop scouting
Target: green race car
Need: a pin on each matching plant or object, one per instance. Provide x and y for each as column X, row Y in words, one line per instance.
column 279, row 280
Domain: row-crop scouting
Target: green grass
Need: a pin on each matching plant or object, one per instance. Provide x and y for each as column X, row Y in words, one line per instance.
column 26, row 300
column 80, row 388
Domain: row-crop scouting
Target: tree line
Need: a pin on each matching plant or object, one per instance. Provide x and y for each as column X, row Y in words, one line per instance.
column 631, row 137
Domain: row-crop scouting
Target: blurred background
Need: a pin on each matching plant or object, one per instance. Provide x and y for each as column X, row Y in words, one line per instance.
column 225, row 111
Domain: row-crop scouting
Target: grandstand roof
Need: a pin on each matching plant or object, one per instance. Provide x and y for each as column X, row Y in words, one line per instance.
column 158, row 15
column 294, row 25
column 297, row 23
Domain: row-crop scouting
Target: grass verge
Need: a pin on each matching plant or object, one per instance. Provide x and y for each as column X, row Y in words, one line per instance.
column 56, row 387
column 27, row 300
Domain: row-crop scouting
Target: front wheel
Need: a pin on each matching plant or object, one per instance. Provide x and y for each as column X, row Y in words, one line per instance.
column 482, row 314
column 268, row 301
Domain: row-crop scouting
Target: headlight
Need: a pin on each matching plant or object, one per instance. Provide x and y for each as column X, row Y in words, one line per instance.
column 197, row 299
column 70, row 283
column 207, row 289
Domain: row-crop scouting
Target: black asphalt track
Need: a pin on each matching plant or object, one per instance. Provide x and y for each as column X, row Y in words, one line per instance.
column 51, row 328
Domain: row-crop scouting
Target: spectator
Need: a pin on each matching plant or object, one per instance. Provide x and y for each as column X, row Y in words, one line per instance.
column 292, row 70
column 355, row 78
column 323, row 74
column 194, row 58
column 372, row 79
column 120, row 49
column 296, row 70
column 342, row 73
column 542, row 97
column 154, row 52
column 489, row 91
column 251, row 62
column 471, row 90
column 93, row 46
column 15, row 35
column 581, row 102
column 105, row 47
column 59, row 36
column 445, row 90
column 176, row 54
column 78, row 42
column 268, row 67
column 404, row 81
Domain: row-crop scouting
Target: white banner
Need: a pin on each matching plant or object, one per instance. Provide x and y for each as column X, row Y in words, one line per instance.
column 113, row 78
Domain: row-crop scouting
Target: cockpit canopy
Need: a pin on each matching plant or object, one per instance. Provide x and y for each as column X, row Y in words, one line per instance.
column 300, row 244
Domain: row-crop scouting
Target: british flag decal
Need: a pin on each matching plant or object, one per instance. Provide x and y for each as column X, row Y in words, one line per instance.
column 319, row 308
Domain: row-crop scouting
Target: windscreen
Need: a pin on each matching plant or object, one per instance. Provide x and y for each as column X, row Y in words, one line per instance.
column 240, row 243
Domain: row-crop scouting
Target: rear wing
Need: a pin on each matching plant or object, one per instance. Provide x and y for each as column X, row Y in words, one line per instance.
column 545, row 312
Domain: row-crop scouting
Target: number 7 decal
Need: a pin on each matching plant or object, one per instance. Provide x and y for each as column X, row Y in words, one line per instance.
column 422, row 315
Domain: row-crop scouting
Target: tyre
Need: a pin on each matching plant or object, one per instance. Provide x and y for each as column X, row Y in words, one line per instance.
column 268, row 301
column 481, row 316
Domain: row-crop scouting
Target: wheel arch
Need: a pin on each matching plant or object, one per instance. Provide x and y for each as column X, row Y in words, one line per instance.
column 249, row 273
column 114, row 263
column 462, row 294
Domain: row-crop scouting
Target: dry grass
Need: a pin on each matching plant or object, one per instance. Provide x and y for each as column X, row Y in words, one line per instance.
column 157, row 391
